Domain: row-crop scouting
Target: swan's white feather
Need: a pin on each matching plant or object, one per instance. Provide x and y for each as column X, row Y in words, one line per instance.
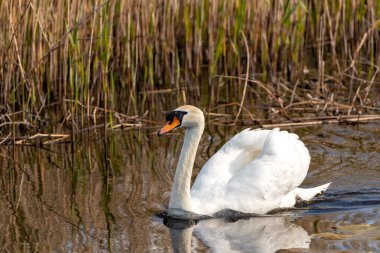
column 253, row 172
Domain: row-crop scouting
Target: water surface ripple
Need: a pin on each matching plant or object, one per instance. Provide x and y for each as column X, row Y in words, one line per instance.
column 101, row 194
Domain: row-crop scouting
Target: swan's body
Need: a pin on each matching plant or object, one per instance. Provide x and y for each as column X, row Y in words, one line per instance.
column 254, row 172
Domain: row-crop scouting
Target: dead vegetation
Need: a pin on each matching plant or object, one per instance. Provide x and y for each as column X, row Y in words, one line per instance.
column 74, row 66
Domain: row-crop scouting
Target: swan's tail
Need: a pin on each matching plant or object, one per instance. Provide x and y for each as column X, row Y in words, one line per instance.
column 307, row 194
column 289, row 199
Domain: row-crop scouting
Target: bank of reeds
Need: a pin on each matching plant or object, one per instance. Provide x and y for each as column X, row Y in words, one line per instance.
column 79, row 62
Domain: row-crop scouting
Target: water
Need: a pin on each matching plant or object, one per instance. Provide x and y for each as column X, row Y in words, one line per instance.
column 102, row 193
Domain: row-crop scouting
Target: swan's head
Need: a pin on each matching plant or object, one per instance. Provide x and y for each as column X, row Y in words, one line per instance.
column 186, row 116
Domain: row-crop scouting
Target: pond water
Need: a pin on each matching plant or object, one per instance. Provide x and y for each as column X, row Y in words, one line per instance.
column 101, row 194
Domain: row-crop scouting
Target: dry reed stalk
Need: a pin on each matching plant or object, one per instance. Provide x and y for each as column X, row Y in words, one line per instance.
column 55, row 138
column 355, row 119
column 246, row 78
column 122, row 125
column 5, row 139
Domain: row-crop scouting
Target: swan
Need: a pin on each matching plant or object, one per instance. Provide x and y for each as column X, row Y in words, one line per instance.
column 254, row 172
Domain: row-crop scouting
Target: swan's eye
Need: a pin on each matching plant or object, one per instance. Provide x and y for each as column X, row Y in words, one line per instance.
column 175, row 114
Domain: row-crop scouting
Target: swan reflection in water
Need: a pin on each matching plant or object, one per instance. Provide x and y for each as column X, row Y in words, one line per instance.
column 257, row 234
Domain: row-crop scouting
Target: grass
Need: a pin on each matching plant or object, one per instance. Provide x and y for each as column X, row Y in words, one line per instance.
column 81, row 63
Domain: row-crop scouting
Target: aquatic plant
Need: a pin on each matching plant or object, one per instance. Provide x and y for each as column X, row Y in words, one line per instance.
column 81, row 63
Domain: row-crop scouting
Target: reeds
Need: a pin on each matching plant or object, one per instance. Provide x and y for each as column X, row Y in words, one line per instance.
column 82, row 61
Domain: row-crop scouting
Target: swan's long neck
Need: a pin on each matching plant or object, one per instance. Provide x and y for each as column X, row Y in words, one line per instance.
column 180, row 196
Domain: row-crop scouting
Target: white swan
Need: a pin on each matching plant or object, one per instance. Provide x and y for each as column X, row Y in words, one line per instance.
column 254, row 172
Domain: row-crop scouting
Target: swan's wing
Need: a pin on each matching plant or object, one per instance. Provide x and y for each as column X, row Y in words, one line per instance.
column 251, row 172
column 239, row 151
column 262, row 183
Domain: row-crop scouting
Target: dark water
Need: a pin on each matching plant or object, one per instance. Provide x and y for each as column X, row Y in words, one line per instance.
column 101, row 194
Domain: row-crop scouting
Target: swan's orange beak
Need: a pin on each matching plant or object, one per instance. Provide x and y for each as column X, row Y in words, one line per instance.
column 170, row 125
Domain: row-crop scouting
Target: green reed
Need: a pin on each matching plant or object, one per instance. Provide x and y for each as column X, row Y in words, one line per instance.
column 116, row 55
